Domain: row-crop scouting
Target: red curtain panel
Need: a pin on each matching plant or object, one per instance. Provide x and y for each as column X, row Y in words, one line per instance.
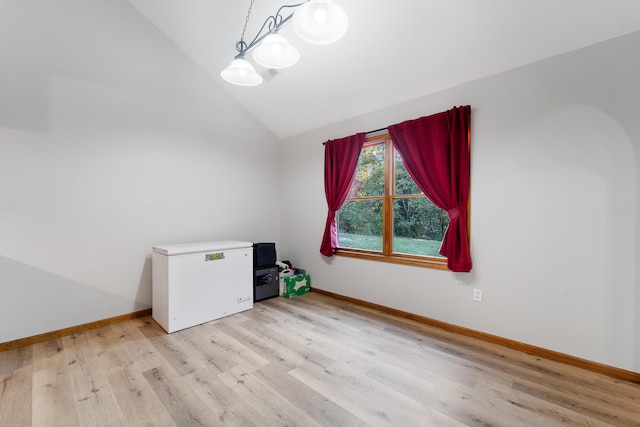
column 340, row 164
column 436, row 153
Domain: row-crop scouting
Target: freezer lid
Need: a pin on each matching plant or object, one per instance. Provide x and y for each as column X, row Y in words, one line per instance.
column 192, row 248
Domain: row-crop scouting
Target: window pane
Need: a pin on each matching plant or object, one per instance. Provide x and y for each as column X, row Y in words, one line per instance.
column 369, row 180
column 404, row 182
column 360, row 225
column 418, row 226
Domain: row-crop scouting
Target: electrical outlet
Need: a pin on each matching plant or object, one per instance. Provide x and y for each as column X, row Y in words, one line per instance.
column 243, row 299
column 477, row 295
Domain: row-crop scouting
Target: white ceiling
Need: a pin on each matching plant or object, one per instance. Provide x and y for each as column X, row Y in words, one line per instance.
column 393, row 51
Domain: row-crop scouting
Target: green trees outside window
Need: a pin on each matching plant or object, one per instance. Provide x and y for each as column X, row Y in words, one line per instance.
column 385, row 211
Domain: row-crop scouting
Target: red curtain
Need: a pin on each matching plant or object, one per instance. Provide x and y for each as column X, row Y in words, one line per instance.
column 340, row 164
column 436, row 153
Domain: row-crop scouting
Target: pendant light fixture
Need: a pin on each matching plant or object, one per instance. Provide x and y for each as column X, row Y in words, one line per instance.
column 315, row 21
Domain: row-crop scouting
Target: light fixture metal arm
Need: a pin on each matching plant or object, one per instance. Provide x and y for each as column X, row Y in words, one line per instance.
column 316, row 22
column 273, row 24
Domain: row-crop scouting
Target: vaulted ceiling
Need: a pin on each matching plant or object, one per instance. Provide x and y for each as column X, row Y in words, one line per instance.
column 393, row 51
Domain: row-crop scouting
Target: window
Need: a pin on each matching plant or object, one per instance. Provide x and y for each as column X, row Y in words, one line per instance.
column 385, row 216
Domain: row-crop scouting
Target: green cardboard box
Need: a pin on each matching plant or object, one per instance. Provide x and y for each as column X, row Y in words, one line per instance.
column 296, row 285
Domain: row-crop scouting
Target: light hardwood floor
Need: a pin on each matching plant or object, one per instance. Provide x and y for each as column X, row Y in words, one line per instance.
column 310, row 361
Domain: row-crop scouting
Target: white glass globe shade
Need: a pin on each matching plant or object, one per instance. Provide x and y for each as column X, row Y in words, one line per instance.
column 275, row 52
column 320, row 22
column 241, row 72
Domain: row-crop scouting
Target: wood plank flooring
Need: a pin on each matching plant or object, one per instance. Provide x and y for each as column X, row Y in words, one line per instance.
column 310, row 361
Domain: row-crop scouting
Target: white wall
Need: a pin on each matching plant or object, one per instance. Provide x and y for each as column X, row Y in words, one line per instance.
column 112, row 141
column 554, row 208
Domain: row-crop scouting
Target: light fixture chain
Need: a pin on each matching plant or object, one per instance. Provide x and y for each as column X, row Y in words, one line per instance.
column 246, row 21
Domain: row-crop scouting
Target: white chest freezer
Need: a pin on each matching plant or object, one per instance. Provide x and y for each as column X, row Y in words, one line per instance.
column 199, row 282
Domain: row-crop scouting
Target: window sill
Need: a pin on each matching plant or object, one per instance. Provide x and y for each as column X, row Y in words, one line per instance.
column 417, row 261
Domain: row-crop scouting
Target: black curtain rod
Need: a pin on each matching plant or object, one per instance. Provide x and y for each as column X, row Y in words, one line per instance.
column 367, row 133
column 374, row 131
